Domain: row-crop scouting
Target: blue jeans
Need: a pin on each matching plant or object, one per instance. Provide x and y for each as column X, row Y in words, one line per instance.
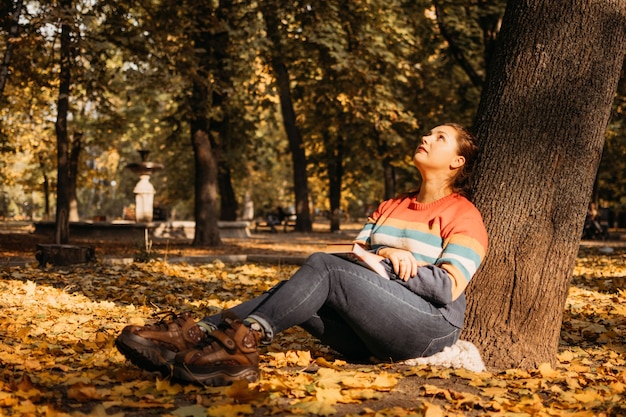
column 353, row 310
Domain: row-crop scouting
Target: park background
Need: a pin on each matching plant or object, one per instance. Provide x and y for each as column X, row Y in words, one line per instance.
column 364, row 81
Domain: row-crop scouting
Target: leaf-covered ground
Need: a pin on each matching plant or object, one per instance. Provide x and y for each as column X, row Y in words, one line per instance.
column 57, row 357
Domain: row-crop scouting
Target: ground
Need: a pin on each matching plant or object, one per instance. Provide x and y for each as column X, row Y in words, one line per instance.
column 20, row 244
column 47, row 369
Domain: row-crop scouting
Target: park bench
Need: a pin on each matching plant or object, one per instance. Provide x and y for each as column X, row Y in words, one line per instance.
column 265, row 224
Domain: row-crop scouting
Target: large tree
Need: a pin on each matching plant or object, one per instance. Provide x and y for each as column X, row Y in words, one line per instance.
column 542, row 121
column 294, row 135
column 62, row 230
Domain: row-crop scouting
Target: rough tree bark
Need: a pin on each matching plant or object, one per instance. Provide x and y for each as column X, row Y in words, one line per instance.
column 206, row 187
column 542, row 120
column 62, row 230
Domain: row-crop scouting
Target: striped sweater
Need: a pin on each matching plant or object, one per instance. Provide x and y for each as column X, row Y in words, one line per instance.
column 448, row 235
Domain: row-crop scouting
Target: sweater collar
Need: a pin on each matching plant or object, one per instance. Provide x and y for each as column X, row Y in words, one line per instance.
column 414, row 205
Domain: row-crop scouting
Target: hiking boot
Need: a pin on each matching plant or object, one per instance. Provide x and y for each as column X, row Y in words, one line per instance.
column 153, row 347
column 230, row 355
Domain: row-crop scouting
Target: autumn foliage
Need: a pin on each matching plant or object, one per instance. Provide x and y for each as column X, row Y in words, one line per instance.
column 57, row 355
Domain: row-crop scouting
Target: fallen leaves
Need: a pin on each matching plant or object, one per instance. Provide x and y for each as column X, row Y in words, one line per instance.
column 57, row 328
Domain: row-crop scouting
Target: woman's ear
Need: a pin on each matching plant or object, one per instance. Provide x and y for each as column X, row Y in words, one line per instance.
column 457, row 162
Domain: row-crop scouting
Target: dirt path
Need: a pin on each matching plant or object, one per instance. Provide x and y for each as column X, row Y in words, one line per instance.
column 18, row 247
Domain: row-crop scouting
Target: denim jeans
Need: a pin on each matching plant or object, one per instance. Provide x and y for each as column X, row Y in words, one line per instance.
column 353, row 310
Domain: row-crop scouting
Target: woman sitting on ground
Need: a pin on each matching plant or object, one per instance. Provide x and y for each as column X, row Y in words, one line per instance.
column 433, row 241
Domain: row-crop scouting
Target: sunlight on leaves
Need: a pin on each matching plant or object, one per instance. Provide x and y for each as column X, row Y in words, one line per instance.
column 57, row 328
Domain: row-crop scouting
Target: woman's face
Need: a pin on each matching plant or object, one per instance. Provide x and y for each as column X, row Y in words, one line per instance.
column 438, row 150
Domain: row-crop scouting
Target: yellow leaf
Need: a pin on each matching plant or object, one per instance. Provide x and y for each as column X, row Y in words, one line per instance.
column 298, row 358
column 433, row 410
column 617, row 387
column 329, row 395
column 546, row 371
column 329, row 378
column 7, row 400
column 164, row 385
column 385, row 382
column 470, row 375
column 433, row 390
column 123, row 390
column 147, row 404
column 318, row 408
column 517, row 373
column 566, row 356
column 83, row 392
column 32, row 365
column 494, row 391
column 587, row 396
column 240, row 391
column 335, row 365
column 230, row 410
column 25, row 408
column 363, row 394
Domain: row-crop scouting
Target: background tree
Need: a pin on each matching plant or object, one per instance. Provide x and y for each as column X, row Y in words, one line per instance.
column 281, row 73
column 542, row 119
column 62, row 227
column 610, row 187
column 12, row 11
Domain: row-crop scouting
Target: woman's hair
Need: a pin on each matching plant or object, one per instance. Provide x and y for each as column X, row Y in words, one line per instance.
column 467, row 148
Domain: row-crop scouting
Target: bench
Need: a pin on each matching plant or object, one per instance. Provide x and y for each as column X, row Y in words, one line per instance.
column 288, row 222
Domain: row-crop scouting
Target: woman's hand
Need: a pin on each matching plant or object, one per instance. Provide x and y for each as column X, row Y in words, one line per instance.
column 404, row 263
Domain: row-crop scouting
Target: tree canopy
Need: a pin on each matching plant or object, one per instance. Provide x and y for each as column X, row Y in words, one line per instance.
column 362, row 76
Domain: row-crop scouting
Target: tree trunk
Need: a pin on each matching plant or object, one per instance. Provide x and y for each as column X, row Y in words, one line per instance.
column 542, row 120
column 389, row 174
column 221, row 139
column 45, row 187
column 296, row 145
column 62, row 230
column 206, row 214
column 6, row 61
column 334, row 158
column 73, row 175
column 206, row 232
column 46, row 194
column 205, row 206
column 455, row 49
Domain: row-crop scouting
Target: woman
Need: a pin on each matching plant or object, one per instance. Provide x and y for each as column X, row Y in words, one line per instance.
column 433, row 241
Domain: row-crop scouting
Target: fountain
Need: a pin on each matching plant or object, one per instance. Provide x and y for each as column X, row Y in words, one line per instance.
column 143, row 225
column 144, row 190
column 140, row 230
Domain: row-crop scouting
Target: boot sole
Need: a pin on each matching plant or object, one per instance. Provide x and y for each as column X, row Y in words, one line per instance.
column 144, row 353
column 217, row 377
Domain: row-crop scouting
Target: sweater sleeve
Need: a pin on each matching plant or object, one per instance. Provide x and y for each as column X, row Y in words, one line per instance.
column 464, row 248
column 431, row 283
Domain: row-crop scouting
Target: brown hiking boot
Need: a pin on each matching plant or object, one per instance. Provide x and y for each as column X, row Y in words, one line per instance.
column 153, row 347
column 230, row 355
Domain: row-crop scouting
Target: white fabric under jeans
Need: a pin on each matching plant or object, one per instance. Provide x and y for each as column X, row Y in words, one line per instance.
column 353, row 310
